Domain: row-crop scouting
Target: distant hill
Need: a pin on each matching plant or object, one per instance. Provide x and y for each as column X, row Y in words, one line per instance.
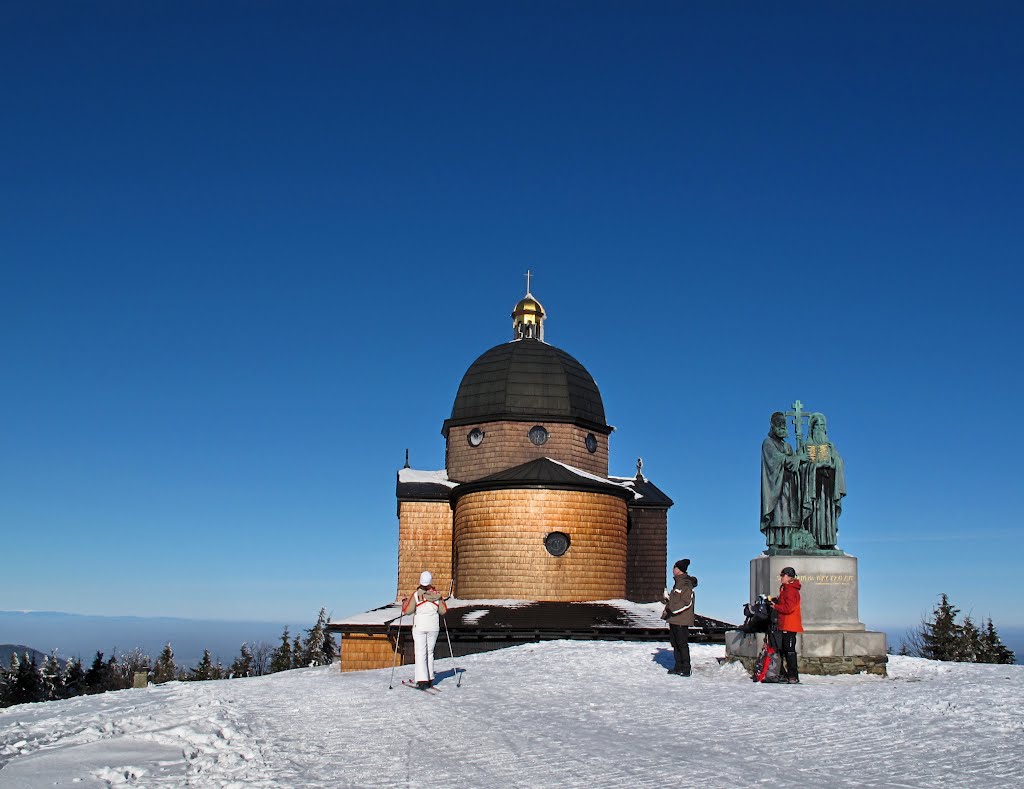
column 78, row 635
column 6, row 650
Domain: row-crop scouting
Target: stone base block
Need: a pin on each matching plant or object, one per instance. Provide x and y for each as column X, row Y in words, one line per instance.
column 829, row 594
column 822, row 652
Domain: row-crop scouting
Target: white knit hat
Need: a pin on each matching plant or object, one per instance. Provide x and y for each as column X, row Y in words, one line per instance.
column 426, row 578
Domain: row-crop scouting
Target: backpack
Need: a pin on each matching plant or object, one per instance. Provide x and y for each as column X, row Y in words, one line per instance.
column 768, row 666
column 759, row 616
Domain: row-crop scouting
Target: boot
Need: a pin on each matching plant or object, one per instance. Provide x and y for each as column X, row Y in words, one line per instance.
column 792, row 674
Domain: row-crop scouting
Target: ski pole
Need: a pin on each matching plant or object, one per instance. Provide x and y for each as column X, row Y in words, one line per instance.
column 398, row 639
column 451, row 591
column 452, row 654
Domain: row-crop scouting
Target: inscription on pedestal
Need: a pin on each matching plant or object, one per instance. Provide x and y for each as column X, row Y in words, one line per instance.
column 828, row 580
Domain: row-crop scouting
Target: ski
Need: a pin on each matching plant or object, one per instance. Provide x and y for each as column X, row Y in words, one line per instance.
column 411, row 684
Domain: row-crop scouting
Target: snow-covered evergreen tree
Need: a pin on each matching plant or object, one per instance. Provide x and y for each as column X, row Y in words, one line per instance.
column 940, row 637
column 297, row 652
column 281, row 660
column 132, row 662
column 242, row 667
column 53, row 677
column 314, row 652
column 204, row 670
column 165, row 670
column 7, row 676
column 74, row 678
column 28, row 685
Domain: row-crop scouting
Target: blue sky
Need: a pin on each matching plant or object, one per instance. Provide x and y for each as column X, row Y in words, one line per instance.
column 247, row 252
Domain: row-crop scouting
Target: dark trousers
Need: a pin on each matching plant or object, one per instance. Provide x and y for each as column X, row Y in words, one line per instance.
column 785, row 642
column 680, row 637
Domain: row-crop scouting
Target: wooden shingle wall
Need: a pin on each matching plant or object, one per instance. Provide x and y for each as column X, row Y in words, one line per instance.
column 500, row 553
column 507, row 444
column 424, row 543
column 646, row 557
column 361, row 651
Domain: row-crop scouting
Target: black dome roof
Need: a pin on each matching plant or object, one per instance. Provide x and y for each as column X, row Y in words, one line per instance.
column 528, row 380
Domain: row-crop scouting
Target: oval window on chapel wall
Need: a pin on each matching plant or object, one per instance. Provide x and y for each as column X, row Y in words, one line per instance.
column 538, row 435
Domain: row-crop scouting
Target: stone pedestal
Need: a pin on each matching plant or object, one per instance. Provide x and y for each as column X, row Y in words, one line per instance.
column 834, row 641
column 828, row 594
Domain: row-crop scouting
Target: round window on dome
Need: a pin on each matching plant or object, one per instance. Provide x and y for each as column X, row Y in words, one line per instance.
column 538, row 435
column 591, row 441
column 475, row 437
column 557, row 543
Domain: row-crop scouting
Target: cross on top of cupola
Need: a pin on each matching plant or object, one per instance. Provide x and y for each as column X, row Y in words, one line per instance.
column 528, row 317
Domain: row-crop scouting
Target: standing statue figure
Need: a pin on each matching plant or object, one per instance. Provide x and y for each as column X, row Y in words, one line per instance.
column 781, row 514
column 823, row 482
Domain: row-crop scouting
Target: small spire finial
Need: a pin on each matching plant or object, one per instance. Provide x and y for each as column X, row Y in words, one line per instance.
column 407, row 457
column 528, row 315
column 639, row 468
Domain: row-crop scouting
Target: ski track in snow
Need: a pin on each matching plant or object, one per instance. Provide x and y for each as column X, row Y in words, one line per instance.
column 560, row 713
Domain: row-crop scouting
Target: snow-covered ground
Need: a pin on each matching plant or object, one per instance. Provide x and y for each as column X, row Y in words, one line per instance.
column 560, row 713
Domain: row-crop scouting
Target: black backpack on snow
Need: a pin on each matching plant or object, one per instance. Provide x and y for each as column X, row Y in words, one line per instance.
column 759, row 616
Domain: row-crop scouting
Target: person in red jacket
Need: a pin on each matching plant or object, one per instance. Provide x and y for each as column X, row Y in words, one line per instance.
column 787, row 605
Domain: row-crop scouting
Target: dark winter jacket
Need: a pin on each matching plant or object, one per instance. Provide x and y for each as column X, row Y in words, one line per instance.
column 680, row 602
column 787, row 605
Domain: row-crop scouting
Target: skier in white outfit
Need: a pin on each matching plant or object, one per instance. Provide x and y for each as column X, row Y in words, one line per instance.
column 427, row 604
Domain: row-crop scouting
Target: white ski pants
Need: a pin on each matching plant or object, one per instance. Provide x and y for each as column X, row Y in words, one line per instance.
column 424, row 641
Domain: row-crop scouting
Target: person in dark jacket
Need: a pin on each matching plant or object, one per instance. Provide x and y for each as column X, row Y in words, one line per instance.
column 679, row 604
column 787, row 605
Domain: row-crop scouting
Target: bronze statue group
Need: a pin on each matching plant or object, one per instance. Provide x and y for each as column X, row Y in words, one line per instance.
column 802, row 490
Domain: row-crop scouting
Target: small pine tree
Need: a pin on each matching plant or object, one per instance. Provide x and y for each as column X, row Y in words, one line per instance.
column 53, row 677
column 969, row 646
column 297, row 652
column 242, row 667
column 74, row 678
column 94, row 678
column 112, row 675
column 28, row 685
column 314, row 654
column 204, row 670
column 992, row 649
column 5, row 685
column 940, row 637
column 165, row 670
column 281, row 660
column 7, row 678
column 330, row 649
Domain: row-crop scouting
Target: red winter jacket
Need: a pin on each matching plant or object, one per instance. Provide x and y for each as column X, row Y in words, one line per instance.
column 787, row 604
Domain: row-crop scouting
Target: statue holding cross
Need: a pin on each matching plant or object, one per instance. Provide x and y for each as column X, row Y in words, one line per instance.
column 801, row 489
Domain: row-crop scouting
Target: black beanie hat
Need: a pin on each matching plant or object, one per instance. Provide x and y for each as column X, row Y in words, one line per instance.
column 683, row 564
column 788, row 571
